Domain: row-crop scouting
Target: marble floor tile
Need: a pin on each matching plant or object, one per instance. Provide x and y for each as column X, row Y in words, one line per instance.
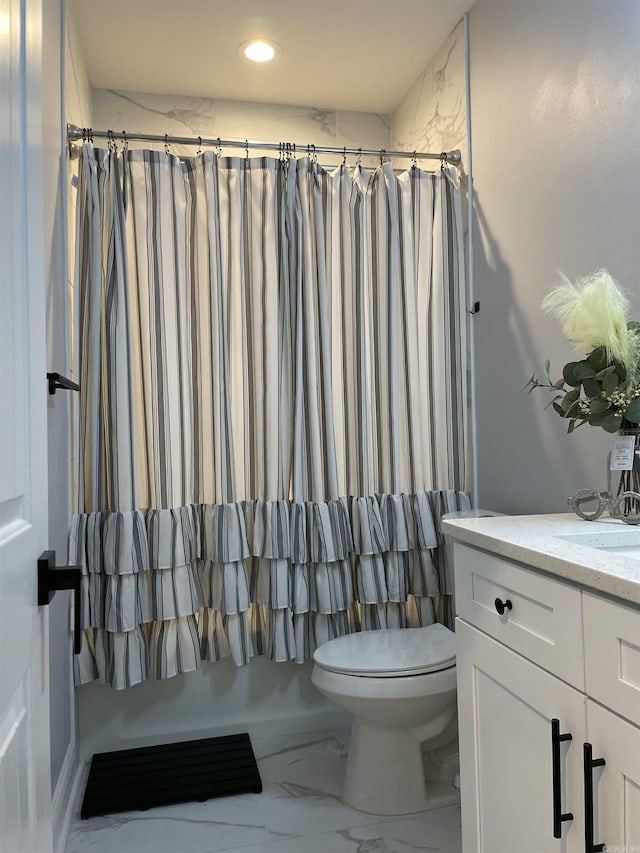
column 299, row 811
column 301, row 756
column 218, row 824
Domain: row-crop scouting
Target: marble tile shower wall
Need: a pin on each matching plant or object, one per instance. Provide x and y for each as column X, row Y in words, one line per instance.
column 432, row 116
column 188, row 116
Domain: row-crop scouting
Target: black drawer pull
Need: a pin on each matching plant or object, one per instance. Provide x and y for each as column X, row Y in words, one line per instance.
column 589, row 763
column 558, row 816
column 501, row 606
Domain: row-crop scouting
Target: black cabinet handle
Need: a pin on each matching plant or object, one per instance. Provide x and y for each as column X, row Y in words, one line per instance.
column 501, row 606
column 589, row 763
column 52, row 578
column 556, row 740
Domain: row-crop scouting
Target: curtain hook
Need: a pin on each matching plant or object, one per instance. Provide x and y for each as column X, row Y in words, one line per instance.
column 294, row 150
column 359, row 158
column 414, row 160
column 246, row 149
column 125, row 141
column 199, row 151
column 90, row 135
column 382, row 156
column 166, row 143
column 443, row 161
column 344, row 156
column 219, row 147
column 315, row 155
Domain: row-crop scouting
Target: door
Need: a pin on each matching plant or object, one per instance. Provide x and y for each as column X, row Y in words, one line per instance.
column 24, row 705
column 505, row 708
column 616, row 785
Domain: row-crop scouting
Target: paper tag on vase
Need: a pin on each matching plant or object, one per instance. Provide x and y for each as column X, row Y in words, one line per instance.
column 622, row 453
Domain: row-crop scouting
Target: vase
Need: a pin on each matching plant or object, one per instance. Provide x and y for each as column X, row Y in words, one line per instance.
column 628, row 481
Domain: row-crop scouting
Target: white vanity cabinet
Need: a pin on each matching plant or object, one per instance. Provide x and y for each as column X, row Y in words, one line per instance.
column 557, row 668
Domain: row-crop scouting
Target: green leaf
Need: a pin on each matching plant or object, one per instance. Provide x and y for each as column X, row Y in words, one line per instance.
column 547, row 368
column 599, row 406
column 572, row 426
column 602, row 373
column 568, row 372
column 633, row 411
column 611, row 422
column 558, row 408
column 598, row 359
column 592, row 388
column 610, row 383
column 559, row 384
column 584, row 371
column 596, row 418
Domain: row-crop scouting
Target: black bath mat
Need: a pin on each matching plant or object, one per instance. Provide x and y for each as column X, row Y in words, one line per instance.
column 172, row 773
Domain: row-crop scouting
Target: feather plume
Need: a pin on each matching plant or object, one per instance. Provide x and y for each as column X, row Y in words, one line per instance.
column 593, row 313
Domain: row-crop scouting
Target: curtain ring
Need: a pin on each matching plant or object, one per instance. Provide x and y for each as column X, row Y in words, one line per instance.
column 414, row 160
column 219, row 147
column 344, row 156
column 90, row 135
column 359, row 158
column 199, row 151
column 382, row 156
column 443, row 161
column 166, row 143
column 315, row 155
column 246, row 149
column 111, row 142
column 125, row 141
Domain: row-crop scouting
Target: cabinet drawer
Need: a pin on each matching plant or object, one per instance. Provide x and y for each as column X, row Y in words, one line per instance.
column 612, row 655
column 545, row 621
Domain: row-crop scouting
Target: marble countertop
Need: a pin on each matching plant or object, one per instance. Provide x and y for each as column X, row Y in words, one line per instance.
column 537, row 540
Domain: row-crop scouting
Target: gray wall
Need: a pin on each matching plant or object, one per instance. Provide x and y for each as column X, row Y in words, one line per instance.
column 555, row 130
column 58, row 421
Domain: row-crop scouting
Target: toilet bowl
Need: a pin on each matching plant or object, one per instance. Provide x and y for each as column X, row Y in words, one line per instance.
column 400, row 686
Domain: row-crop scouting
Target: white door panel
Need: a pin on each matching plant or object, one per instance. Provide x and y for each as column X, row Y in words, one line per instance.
column 24, row 707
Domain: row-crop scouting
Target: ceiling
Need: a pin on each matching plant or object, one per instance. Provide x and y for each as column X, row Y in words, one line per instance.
column 335, row 54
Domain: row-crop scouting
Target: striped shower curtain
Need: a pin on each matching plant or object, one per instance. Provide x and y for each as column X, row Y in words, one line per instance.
column 272, row 415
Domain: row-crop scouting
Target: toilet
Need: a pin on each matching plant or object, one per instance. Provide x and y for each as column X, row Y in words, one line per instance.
column 400, row 686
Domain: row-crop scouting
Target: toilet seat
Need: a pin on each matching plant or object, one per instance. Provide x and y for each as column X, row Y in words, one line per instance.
column 389, row 653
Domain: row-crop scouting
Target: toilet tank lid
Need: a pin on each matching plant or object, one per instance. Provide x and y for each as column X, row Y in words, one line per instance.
column 387, row 653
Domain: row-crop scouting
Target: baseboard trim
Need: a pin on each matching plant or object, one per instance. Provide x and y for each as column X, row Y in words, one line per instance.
column 65, row 796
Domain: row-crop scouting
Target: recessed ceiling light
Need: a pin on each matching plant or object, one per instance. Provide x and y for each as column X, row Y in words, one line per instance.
column 258, row 50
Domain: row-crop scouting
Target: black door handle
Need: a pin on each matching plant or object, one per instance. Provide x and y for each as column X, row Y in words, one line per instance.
column 589, row 763
column 52, row 578
column 558, row 816
column 501, row 606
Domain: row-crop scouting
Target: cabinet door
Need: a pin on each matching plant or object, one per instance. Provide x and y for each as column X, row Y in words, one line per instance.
column 616, row 786
column 505, row 708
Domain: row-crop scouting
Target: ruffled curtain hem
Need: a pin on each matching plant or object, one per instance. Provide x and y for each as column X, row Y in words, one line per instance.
column 164, row 590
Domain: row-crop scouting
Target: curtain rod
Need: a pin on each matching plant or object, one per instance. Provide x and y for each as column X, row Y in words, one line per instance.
column 87, row 133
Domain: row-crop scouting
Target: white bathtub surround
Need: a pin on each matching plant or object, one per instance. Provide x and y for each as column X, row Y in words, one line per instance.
column 432, row 115
column 212, row 117
column 299, row 812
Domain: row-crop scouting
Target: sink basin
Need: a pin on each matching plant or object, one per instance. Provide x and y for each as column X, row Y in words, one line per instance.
column 625, row 542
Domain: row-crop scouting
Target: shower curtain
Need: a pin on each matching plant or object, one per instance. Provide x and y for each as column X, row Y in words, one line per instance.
column 272, row 415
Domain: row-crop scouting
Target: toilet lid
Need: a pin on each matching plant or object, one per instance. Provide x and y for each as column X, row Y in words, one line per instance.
column 388, row 653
